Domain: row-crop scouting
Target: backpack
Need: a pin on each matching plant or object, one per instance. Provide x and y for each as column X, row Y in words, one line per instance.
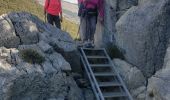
column 83, row 11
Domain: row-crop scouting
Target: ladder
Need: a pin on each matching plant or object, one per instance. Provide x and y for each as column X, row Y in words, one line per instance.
column 104, row 79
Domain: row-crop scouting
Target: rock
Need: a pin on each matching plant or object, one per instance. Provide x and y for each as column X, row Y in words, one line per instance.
column 45, row 47
column 74, row 92
column 36, row 86
column 8, row 38
column 139, row 93
column 142, row 29
column 159, row 86
column 48, row 67
column 59, row 39
column 133, row 78
column 66, row 46
column 26, row 67
column 89, row 94
column 167, row 58
column 74, row 60
column 25, row 28
column 59, row 62
column 20, row 80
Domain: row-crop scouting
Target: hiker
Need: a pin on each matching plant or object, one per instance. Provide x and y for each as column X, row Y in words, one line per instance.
column 54, row 12
column 90, row 11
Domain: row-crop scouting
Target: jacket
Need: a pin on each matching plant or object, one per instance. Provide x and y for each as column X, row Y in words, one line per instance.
column 53, row 7
column 91, row 4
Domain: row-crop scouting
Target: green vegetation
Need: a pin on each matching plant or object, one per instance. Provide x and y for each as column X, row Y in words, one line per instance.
column 70, row 27
column 36, row 9
column 31, row 56
column 151, row 94
column 114, row 52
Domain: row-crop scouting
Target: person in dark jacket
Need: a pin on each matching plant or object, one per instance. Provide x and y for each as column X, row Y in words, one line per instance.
column 53, row 10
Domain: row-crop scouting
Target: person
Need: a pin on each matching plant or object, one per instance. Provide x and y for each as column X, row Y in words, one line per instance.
column 89, row 12
column 53, row 10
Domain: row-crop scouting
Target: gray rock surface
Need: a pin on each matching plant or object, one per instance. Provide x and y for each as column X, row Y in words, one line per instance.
column 8, row 37
column 23, row 80
column 159, row 86
column 133, row 77
column 26, row 29
column 167, row 58
column 142, row 33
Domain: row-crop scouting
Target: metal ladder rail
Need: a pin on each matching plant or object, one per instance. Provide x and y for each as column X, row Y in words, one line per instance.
column 93, row 77
column 119, row 77
column 90, row 78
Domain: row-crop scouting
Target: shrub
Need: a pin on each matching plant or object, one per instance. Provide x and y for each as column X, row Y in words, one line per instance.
column 31, row 56
column 114, row 52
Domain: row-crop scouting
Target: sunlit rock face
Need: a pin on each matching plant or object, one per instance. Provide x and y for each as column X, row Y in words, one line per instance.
column 143, row 33
column 140, row 30
column 23, row 76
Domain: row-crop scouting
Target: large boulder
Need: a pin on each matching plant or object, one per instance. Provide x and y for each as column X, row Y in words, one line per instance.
column 26, row 29
column 8, row 37
column 142, row 34
column 159, row 86
column 31, row 66
column 22, row 80
column 133, row 77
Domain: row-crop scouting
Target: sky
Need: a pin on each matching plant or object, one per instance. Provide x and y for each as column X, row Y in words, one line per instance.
column 71, row 1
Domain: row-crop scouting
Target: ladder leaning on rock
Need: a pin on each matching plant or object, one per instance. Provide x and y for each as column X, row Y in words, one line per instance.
column 104, row 78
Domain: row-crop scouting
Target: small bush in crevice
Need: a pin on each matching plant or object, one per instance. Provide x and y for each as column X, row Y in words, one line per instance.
column 114, row 52
column 32, row 56
column 151, row 94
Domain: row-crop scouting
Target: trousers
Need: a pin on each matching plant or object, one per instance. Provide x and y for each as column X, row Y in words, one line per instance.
column 52, row 19
column 87, row 28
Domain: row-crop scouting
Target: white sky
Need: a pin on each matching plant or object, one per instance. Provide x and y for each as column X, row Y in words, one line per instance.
column 72, row 1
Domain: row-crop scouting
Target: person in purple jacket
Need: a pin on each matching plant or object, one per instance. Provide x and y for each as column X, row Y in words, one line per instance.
column 90, row 11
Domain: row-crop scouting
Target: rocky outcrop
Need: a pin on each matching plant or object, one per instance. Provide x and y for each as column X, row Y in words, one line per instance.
column 8, row 37
column 22, row 80
column 26, row 29
column 140, row 30
column 159, row 84
column 31, row 66
column 155, row 88
column 142, row 33
column 133, row 77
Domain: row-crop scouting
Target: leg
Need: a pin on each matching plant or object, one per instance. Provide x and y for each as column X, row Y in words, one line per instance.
column 50, row 19
column 92, row 27
column 57, row 22
column 82, row 28
column 88, row 28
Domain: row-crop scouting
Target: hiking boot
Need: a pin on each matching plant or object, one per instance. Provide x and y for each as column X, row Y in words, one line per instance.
column 88, row 45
